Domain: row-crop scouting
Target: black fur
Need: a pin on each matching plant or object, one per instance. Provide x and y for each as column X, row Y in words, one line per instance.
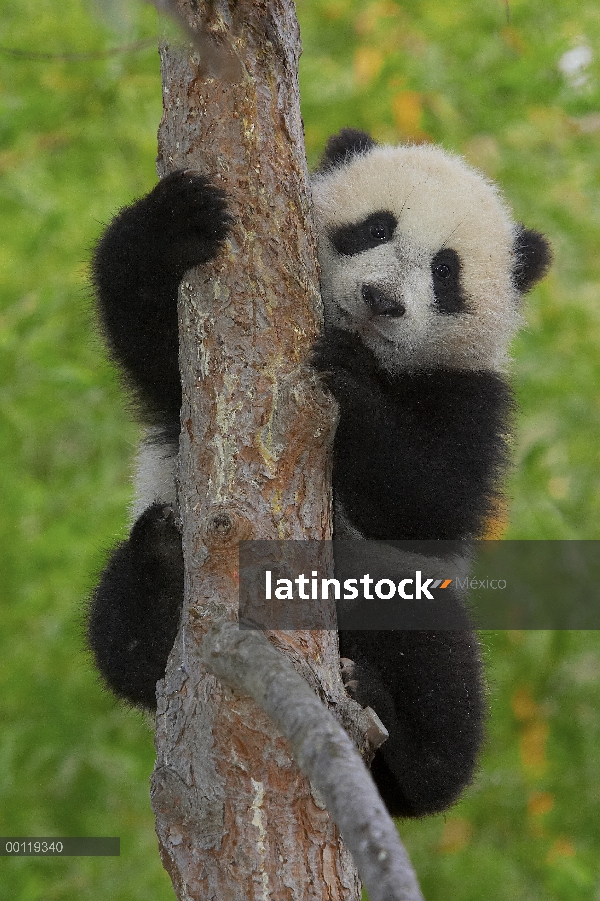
column 415, row 456
column 428, row 445
column 427, row 687
column 376, row 229
column 134, row 613
column 340, row 148
column 137, row 268
column 533, row 256
column 447, row 287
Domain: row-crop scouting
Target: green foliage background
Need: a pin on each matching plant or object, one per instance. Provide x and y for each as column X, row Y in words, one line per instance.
column 78, row 139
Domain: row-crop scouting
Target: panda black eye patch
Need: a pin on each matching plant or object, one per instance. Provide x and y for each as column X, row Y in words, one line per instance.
column 447, row 288
column 376, row 229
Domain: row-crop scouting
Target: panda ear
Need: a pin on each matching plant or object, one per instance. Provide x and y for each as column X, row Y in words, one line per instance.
column 343, row 146
column 533, row 256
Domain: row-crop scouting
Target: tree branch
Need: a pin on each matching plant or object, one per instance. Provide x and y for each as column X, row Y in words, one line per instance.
column 248, row 663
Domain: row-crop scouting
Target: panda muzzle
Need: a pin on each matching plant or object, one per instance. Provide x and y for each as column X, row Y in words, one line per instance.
column 380, row 304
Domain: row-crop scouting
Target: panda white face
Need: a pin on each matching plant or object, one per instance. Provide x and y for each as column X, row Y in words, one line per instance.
column 417, row 257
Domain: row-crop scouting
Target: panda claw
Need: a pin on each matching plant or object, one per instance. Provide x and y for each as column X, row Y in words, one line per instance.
column 348, row 668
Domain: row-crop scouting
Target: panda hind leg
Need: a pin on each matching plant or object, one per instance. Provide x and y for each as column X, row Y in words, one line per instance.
column 428, row 690
column 134, row 613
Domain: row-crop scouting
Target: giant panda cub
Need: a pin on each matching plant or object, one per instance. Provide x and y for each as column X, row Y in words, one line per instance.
column 422, row 272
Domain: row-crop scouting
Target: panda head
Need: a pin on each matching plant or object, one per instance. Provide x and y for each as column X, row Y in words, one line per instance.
column 419, row 255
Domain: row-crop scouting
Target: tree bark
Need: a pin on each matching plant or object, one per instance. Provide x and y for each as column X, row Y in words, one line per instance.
column 235, row 817
column 246, row 661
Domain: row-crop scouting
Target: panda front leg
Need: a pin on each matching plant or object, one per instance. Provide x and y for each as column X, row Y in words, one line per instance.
column 137, row 268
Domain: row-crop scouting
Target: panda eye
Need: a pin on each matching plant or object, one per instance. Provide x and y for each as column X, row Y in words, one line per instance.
column 446, row 268
column 379, row 231
column 366, row 234
column 442, row 270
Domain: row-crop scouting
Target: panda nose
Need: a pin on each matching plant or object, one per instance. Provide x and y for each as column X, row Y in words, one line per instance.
column 380, row 304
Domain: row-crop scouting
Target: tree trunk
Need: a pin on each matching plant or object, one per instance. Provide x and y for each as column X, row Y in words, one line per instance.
column 235, row 817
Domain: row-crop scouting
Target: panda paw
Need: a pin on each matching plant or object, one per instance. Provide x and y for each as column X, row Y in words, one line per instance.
column 189, row 215
column 349, row 370
column 339, row 349
column 364, row 685
column 345, row 362
column 358, row 680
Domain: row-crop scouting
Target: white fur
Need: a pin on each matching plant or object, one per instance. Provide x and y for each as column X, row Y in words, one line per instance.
column 439, row 201
column 154, row 474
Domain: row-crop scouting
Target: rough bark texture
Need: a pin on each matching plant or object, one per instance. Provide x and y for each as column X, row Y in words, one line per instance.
column 235, row 817
column 247, row 662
